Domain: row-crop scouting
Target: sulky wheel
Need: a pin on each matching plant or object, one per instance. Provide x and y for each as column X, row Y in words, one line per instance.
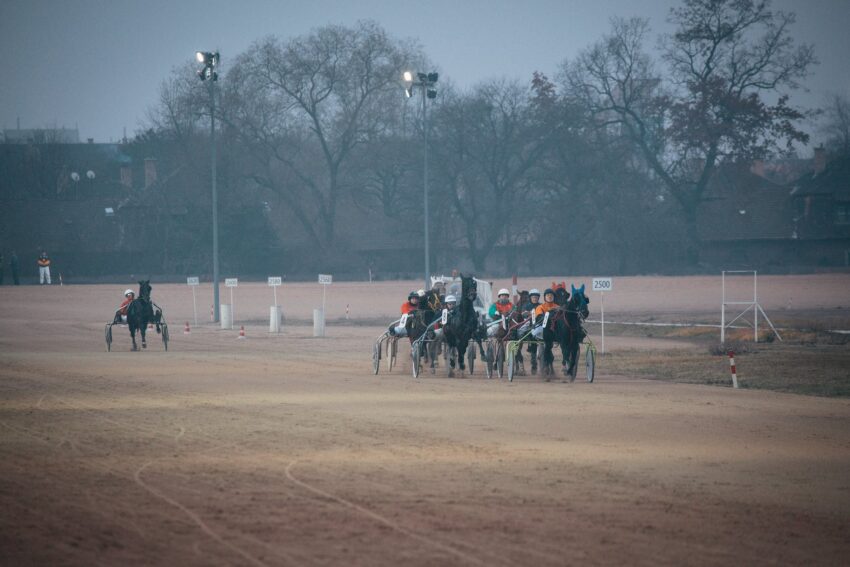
column 590, row 362
column 165, row 335
column 376, row 357
column 470, row 357
column 416, row 357
column 392, row 352
column 500, row 359
column 511, row 363
column 488, row 363
column 108, row 336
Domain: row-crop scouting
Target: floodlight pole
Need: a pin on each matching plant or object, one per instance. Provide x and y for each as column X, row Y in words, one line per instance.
column 425, row 185
column 425, row 83
column 216, row 299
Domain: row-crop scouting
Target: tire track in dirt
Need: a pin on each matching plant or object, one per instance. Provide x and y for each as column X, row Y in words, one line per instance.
column 381, row 519
column 194, row 517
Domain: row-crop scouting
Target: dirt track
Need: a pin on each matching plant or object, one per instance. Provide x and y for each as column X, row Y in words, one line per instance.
column 286, row 450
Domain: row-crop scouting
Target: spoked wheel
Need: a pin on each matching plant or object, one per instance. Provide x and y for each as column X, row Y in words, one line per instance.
column 416, row 357
column 511, row 362
column 392, row 352
column 108, row 336
column 165, row 335
column 500, row 359
column 376, row 357
column 470, row 357
column 488, row 364
column 590, row 362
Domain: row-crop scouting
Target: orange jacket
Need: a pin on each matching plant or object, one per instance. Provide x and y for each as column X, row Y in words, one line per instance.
column 124, row 305
column 43, row 261
column 544, row 307
column 406, row 307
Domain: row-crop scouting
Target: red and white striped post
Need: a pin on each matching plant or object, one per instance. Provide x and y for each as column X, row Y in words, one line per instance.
column 732, row 368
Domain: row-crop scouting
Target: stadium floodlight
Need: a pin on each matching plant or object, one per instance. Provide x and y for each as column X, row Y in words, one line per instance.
column 408, row 77
column 199, row 56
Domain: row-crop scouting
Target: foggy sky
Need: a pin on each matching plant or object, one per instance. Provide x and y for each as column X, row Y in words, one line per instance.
column 98, row 64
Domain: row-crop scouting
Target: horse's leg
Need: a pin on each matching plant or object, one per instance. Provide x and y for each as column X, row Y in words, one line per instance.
column 133, row 336
column 143, row 329
column 461, row 355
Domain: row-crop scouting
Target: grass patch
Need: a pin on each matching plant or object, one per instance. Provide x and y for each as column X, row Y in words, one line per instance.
column 811, row 369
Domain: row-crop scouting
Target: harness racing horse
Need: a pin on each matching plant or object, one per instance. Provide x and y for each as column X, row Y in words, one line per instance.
column 140, row 313
column 565, row 327
column 420, row 321
column 462, row 325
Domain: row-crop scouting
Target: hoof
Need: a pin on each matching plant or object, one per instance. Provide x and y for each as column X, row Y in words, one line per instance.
column 451, row 373
column 144, row 345
column 565, row 370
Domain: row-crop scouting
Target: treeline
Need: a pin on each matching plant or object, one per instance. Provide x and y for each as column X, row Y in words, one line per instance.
column 601, row 166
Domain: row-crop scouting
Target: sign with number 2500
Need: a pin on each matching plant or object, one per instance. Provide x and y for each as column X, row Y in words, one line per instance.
column 603, row 284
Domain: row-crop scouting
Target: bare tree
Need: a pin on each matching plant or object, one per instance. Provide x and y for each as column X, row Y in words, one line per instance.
column 836, row 124
column 724, row 59
column 486, row 142
column 303, row 106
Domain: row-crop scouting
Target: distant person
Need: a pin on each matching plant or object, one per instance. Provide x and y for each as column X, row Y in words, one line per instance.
column 408, row 307
column 16, row 268
column 44, row 268
column 2, row 267
column 121, row 313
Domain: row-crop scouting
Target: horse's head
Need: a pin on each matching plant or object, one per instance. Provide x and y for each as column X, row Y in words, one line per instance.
column 579, row 301
column 562, row 295
column 469, row 288
column 145, row 289
column 432, row 302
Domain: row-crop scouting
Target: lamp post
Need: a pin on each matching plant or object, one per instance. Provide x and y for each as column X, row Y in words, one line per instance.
column 208, row 72
column 426, row 83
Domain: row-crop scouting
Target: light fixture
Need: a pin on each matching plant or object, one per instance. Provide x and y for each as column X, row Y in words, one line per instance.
column 110, row 212
column 90, row 174
column 75, row 176
column 408, row 77
column 199, row 56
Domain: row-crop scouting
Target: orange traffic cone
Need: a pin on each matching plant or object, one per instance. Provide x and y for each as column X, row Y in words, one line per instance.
column 242, row 332
column 187, row 330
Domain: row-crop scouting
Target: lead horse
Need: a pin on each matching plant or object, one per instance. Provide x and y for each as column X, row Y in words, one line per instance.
column 140, row 313
column 565, row 327
column 462, row 324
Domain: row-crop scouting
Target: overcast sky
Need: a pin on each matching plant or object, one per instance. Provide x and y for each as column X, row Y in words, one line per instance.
column 97, row 64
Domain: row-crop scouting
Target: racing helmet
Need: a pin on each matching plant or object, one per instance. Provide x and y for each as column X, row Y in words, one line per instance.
column 534, row 291
column 547, row 291
column 503, row 291
column 451, row 299
column 411, row 295
column 129, row 292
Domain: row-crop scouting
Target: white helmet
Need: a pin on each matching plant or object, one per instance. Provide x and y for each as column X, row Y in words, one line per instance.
column 129, row 292
column 534, row 291
column 421, row 293
column 451, row 299
column 503, row 291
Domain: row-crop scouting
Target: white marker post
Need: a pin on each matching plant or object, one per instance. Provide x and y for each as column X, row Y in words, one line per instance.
column 602, row 285
column 231, row 283
column 274, row 319
column 319, row 318
column 193, row 283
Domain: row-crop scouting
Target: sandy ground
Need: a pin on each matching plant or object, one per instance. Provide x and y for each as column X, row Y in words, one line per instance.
column 286, row 450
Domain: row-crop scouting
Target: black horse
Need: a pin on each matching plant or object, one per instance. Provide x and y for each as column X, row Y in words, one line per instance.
column 565, row 327
column 419, row 323
column 140, row 313
column 462, row 325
